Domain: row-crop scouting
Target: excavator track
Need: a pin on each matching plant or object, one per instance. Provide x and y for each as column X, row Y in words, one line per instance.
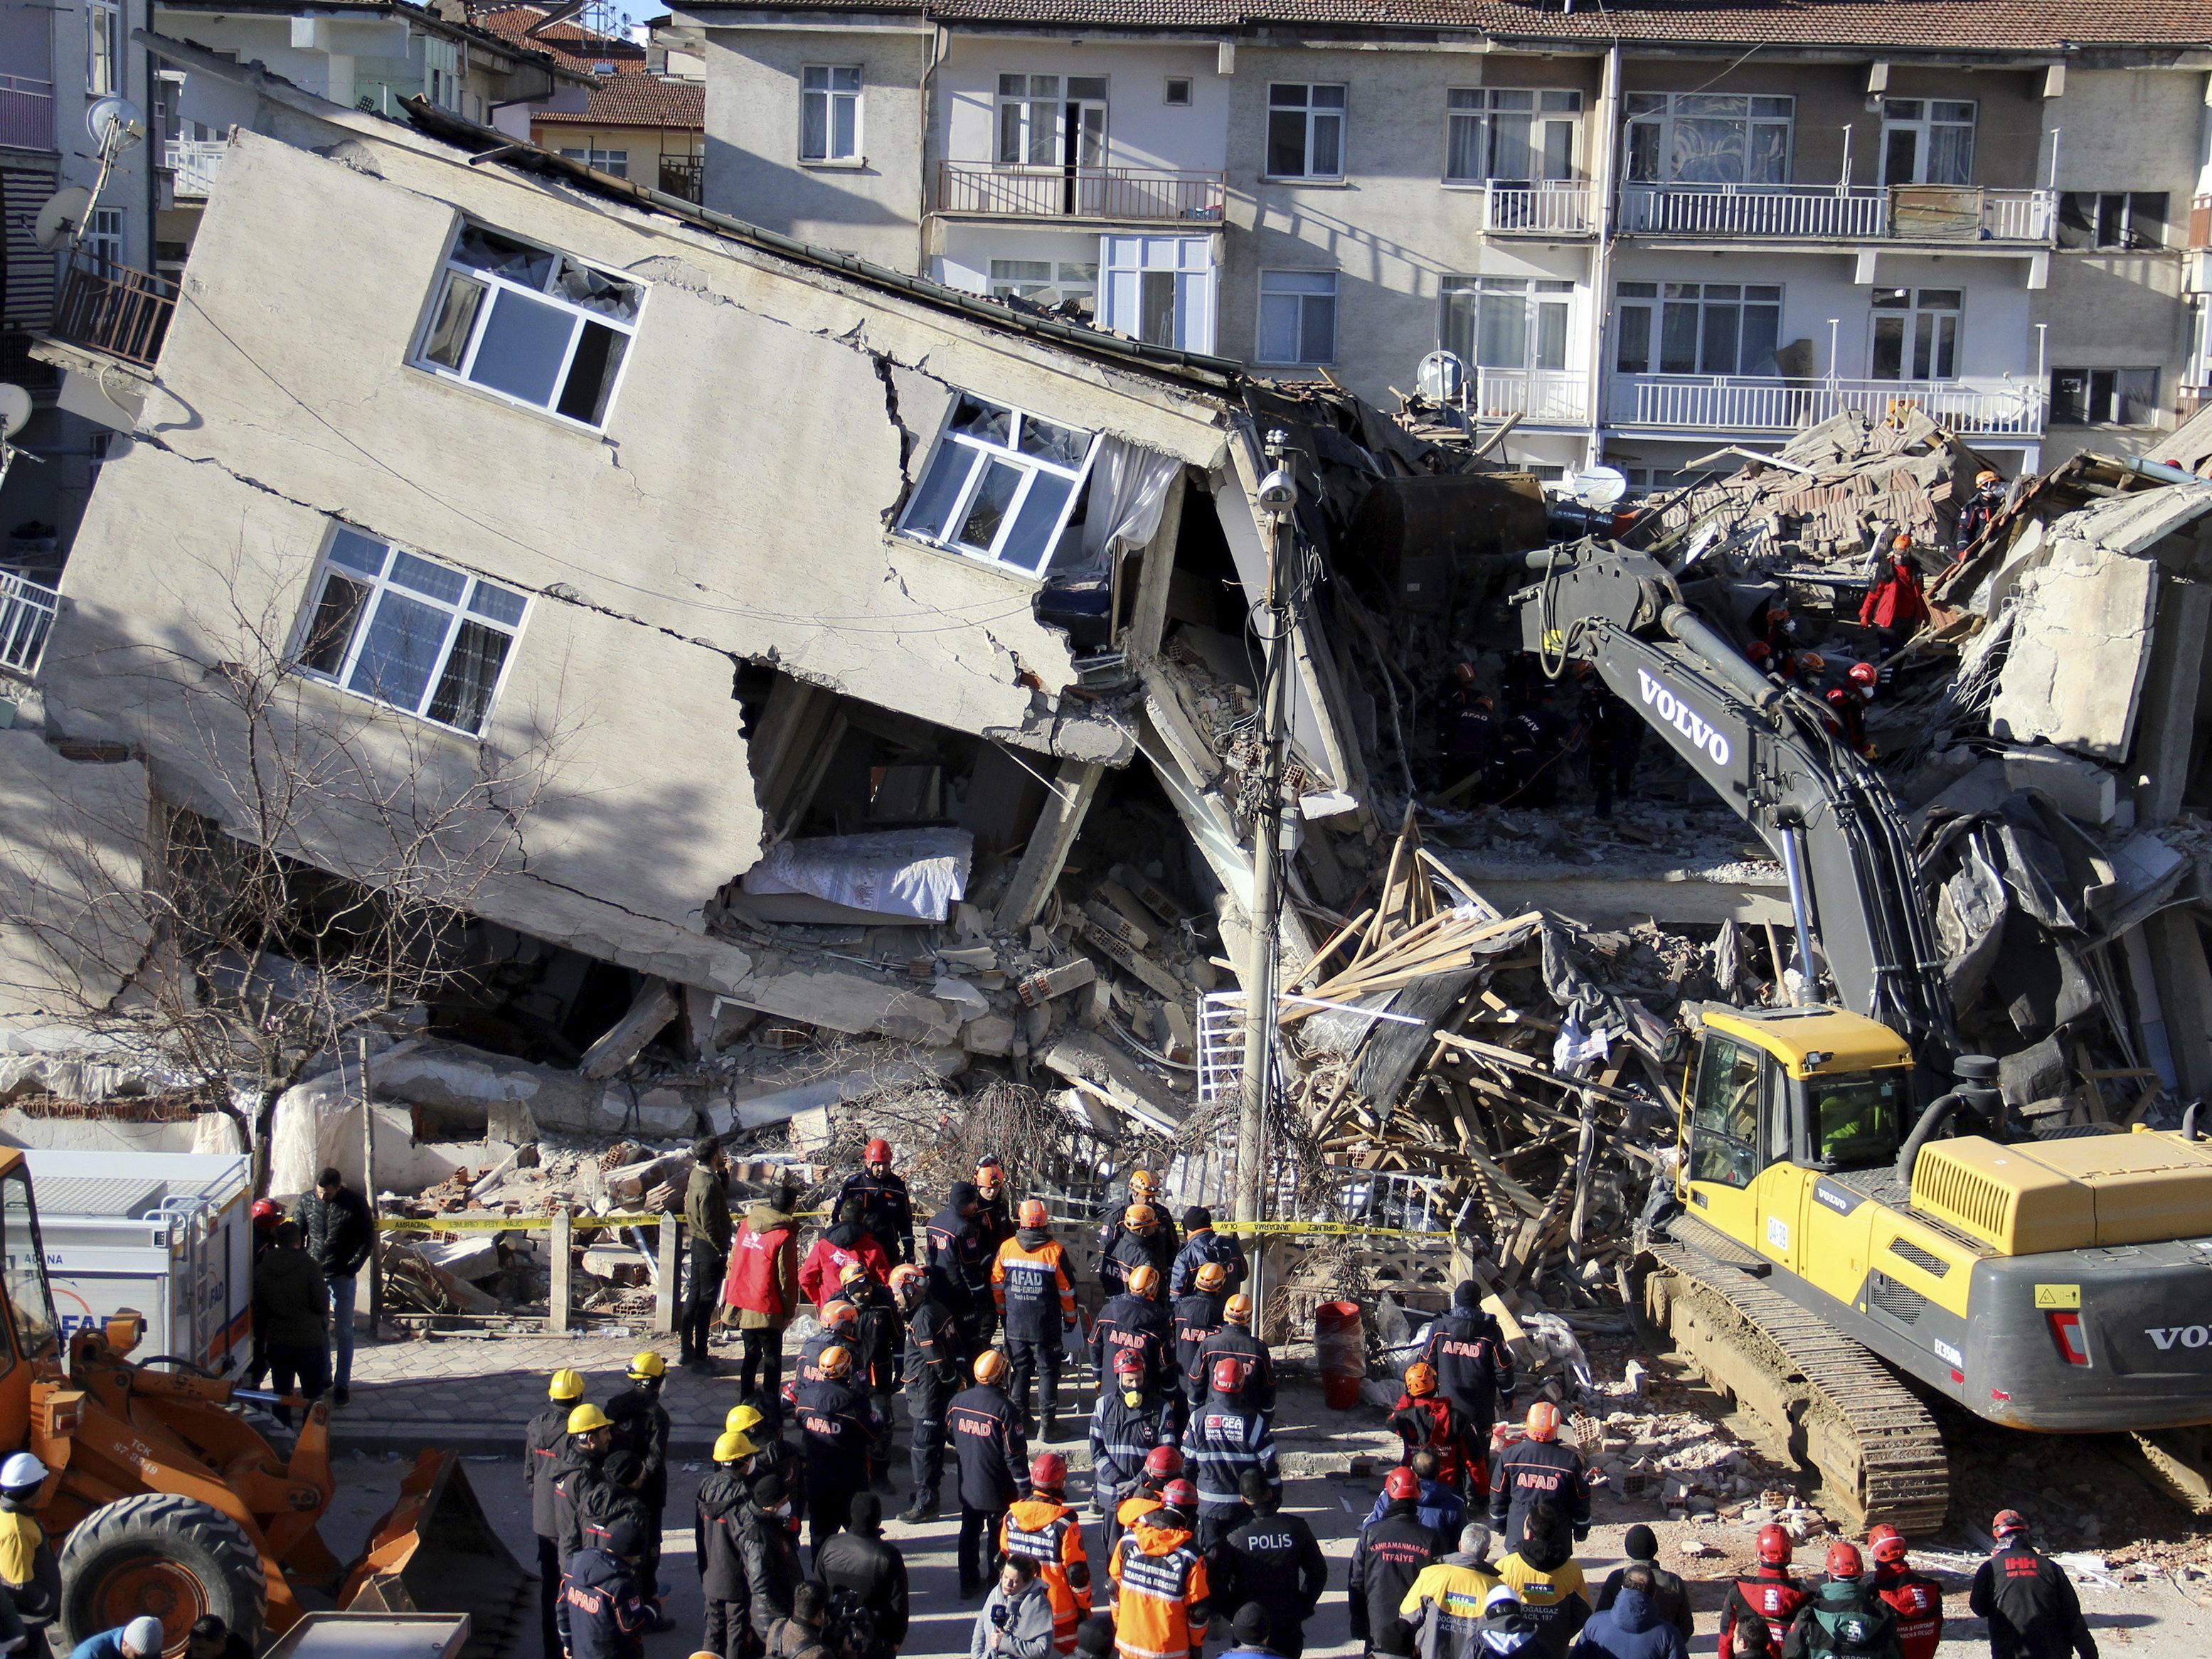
column 1817, row 1396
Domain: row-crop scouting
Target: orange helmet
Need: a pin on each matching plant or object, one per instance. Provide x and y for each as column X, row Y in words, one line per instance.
column 990, row 1366
column 835, row 1362
column 1421, row 1379
column 1144, row 1279
column 1211, row 1276
column 851, row 1272
column 1144, row 1184
column 990, row 1175
column 1543, row 1421
column 836, row 1314
column 1140, row 1219
column 1238, row 1310
column 1886, row 1545
column 1987, row 475
column 1048, row 1471
column 906, row 1273
column 1034, row 1213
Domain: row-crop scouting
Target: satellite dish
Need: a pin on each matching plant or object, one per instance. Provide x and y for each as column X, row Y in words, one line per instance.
column 15, row 409
column 1441, row 377
column 1598, row 486
column 61, row 218
column 115, row 121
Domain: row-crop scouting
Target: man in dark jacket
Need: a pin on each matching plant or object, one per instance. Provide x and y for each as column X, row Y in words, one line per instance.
column 1538, row 1470
column 878, row 1338
column 1036, row 1298
column 1272, row 1559
column 575, row 1472
column 707, row 1225
column 959, row 1269
column 1201, row 1245
column 1235, row 1340
column 542, row 1443
column 1160, row 1246
column 1138, row 1245
column 1226, row 1437
column 993, row 1459
column 604, row 1613
column 886, row 1209
column 1136, row 1320
column 1441, row 1508
column 770, row 1555
column 1845, row 1617
column 1473, row 1370
column 1388, row 1557
column 291, row 1310
column 614, row 1498
column 1670, row 1597
column 722, row 1498
column 1127, row 1423
column 839, row 1429
column 640, row 1428
column 2028, row 1600
column 341, row 1233
column 933, row 1378
column 861, row 1570
column 1195, row 1316
column 1632, row 1627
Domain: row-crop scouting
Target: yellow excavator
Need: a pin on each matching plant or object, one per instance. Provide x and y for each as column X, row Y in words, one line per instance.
column 1857, row 1225
column 163, row 1499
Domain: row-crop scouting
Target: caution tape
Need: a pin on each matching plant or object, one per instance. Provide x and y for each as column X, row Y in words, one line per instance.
column 1331, row 1229
column 581, row 1220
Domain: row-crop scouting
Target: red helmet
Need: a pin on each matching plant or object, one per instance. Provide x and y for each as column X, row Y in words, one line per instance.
column 1844, row 1560
column 2008, row 1521
column 1227, row 1376
column 1886, row 1545
column 1129, row 1362
column 1759, row 650
column 1164, row 1461
column 267, row 1214
column 1774, row 1547
column 878, row 1150
column 1401, row 1483
column 1179, row 1495
column 1049, row 1471
column 1864, row 673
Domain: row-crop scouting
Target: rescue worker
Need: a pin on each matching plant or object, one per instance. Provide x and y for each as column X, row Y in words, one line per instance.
column 886, row 1208
column 641, row 1426
column 1227, row 1436
column 864, row 1574
column 764, row 1287
column 576, row 1472
column 994, row 1226
column 2029, row 1601
column 543, row 1442
column 1470, row 734
column 1441, row 1508
column 772, row 1454
column 1426, row 1419
column 1036, row 1296
column 707, row 1254
column 1845, row 1615
column 1760, row 655
column 840, row 1328
column 838, row 1428
column 844, row 1242
column 1135, row 1246
column 1126, row 1425
column 1389, row 1557
column 1271, row 1560
column 1771, row 1592
column 1981, row 509
column 1202, row 1244
column 1549, row 1580
column 1848, row 704
column 1144, row 1189
column 605, row 1613
column 1195, row 1316
column 1533, row 1470
column 1473, row 1370
column 1444, row 1605
column 933, row 1378
column 29, row 1572
column 615, row 1497
column 1895, row 605
column 1042, row 1528
column 1162, row 1468
column 1670, row 1597
column 1535, row 737
column 721, row 1501
column 993, row 1463
column 959, row 1268
column 1136, row 1318
column 1914, row 1597
column 1778, row 632
column 1616, row 738
column 1162, row 1594
column 878, row 1345
column 770, row 1550
column 1235, row 1340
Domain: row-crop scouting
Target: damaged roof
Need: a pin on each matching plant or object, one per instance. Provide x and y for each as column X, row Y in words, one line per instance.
column 506, row 46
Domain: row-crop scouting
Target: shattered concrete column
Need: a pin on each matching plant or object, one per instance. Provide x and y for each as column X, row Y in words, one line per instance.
column 2166, row 732
column 1057, row 827
column 2184, row 994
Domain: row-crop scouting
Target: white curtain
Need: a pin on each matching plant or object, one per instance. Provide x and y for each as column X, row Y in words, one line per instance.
column 1129, row 488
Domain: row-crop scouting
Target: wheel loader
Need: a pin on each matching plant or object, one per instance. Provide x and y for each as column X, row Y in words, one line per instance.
column 162, row 1499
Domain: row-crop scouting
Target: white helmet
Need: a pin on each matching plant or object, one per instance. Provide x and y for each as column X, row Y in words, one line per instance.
column 144, row 1636
column 20, row 1471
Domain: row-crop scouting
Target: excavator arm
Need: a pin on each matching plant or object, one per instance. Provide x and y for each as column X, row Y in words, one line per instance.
column 1767, row 752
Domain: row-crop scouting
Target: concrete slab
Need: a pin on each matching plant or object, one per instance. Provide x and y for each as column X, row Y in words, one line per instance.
column 2081, row 649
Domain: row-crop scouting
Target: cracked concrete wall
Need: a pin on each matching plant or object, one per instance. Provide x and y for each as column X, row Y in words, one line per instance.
column 70, row 927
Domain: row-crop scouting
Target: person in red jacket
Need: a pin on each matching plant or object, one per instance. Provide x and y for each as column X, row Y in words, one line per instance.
column 1770, row 1593
column 1914, row 1597
column 1895, row 604
column 847, row 1240
column 1425, row 1420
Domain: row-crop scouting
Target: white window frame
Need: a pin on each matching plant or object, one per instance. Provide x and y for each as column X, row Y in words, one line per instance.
column 955, row 444
column 1477, row 111
column 453, row 268
column 103, row 240
column 1677, row 107
column 831, row 96
column 1284, row 289
column 1044, row 139
column 103, row 47
column 1064, row 279
column 1535, row 294
column 1627, row 296
column 1179, row 268
column 1911, row 311
column 386, row 580
column 1297, row 97
column 1924, row 125
column 2097, row 417
column 445, row 72
column 613, row 162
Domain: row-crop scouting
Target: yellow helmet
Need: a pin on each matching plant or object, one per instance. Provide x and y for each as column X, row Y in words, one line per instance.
column 644, row 1367
column 730, row 1447
column 567, row 1385
column 742, row 1419
column 587, row 1417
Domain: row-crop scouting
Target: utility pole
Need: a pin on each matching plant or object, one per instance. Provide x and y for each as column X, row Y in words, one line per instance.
column 1277, row 497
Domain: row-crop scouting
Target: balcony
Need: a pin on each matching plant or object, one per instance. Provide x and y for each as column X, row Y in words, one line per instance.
column 1545, row 209
column 1115, row 195
column 123, row 312
column 26, row 616
column 1540, row 397
column 683, row 176
column 1839, row 213
column 1982, row 407
column 193, row 164
column 27, row 112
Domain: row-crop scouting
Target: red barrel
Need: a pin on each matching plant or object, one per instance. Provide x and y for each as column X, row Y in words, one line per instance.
column 1342, row 1349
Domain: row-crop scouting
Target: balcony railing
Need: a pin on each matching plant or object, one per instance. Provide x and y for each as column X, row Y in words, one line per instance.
column 1540, row 397
column 1938, row 213
column 1124, row 194
column 122, row 312
column 193, row 164
column 26, row 616
column 27, row 112
column 2189, row 400
column 2200, row 223
column 683, row 176
column 1548, row 208
column 1968, row 213
column 1985, row 407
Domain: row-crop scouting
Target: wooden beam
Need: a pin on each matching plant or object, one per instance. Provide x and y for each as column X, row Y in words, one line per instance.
column 1058, row 824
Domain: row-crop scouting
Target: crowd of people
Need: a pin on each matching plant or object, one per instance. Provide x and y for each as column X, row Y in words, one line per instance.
column 972, row 1317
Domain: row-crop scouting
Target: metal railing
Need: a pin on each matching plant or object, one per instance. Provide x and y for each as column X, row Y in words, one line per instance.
column 26, row 616
column 120, row 311
column 2188, row 399
column 1969, row 213
column 1541, row 396
column 1135, row 194
column 193, row 164
column 1938, row 213
column 1547, row 207
column 1983, row 406
column 684, row 176
column 27, row 112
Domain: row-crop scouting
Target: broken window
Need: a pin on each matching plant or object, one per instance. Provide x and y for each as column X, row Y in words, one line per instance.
column 1001, row 485
column 614, row 162
column 540, row 327
column 2111, row 219
column 414, row 635
column 1305, row 131
column 1298, row 316
column 830, row 113
column 2104, row 397
column 1047, row 281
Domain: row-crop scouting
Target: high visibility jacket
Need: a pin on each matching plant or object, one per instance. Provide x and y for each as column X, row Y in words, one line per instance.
column 1771, row 1594
column 1050, row 1534
column 1222, row 1439
column 1162, row 1600
column 1121, row 1437
column 1918, row 1601
column 1444, row 1607
column 1136, row 1507
column 1555, row 1599
column 1035, row 1292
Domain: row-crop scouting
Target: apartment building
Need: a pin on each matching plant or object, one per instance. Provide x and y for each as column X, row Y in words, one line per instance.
column 1645, row 232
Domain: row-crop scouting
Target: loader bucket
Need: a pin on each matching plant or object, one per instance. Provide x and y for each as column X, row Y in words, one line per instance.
column 435, row 1552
